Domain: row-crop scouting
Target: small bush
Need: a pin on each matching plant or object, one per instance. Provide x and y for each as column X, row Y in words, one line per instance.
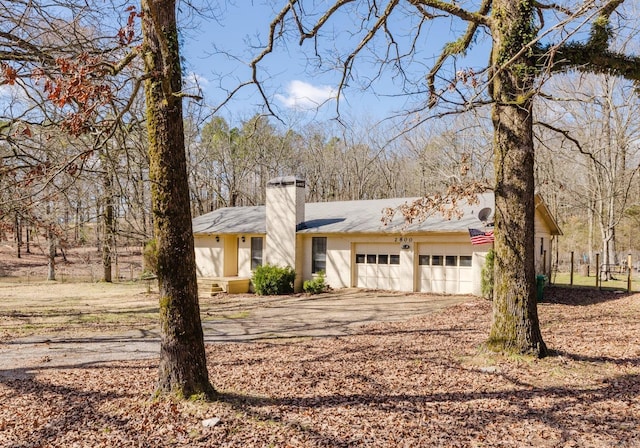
column 269, row 280
column 486, row 282
column 315, row 286
column 150, row 257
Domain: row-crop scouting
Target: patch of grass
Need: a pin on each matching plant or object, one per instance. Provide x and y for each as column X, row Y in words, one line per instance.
column 45, row 321
column 121, row 317
column 564, row 279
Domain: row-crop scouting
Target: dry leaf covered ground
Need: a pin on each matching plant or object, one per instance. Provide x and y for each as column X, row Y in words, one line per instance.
column 419, row 383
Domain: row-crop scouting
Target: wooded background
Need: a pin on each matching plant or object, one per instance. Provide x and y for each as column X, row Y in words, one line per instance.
column 587, row 173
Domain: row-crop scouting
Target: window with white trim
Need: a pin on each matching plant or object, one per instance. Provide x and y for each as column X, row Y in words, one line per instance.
column 256, row 252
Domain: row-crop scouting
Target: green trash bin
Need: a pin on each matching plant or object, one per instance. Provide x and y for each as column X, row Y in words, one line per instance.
column 541, row 280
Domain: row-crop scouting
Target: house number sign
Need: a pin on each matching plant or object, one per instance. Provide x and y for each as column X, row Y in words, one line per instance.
column 404, row 242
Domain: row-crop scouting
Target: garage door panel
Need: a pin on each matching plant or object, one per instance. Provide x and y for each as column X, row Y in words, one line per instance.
column 465, row 282
column 376, row 266
column 444, row 269
column 438, row 279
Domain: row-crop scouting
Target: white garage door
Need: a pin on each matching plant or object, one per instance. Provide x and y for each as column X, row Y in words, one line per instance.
column 445, row 269
column 378, row 266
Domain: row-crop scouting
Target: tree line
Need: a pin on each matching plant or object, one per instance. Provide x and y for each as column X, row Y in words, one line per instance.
column 51, row 196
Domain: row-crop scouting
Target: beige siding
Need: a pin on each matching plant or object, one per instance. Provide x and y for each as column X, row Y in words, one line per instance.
column 407, row 262
column 299, row 262
column 244, row 256
column 338, row 262
column 542, row 246
column 209, row 256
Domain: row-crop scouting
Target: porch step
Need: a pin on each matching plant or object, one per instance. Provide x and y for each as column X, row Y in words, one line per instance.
column 209, row 287
column 216, row 288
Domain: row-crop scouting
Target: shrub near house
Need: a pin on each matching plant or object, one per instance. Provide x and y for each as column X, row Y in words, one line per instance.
column 316, row 285
column 269, row 280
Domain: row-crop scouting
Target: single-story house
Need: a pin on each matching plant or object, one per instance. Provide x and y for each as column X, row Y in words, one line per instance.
column 349, row 243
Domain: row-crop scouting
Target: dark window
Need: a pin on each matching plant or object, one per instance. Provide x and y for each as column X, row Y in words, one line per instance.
column 423, row 260
column 359, row 258
column 318, row 254
column 394, row 259
column 256, row 252
column 371, row 258
column 465, row 260
column 436, row 260
column 383, row 259
column 451, row 260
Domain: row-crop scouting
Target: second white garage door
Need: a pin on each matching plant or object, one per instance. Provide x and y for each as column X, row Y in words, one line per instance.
column 445, row 269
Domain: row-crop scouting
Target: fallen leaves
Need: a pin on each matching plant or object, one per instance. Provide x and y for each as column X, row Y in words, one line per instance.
column 420, row 383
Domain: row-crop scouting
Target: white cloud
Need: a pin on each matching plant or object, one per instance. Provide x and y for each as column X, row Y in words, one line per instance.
column 194, row 83
column 304, row 96
column 11, row 92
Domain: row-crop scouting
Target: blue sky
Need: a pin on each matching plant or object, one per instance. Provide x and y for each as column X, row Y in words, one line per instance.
column 218, row 45
column 290, row 77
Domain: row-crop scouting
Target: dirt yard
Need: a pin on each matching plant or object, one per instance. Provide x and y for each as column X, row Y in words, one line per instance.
column 420, row 382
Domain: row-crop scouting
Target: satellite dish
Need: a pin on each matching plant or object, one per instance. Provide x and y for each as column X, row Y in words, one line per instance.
column 484, row 214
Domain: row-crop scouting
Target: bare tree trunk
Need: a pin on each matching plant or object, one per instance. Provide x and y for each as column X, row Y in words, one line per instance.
column 76, row 221
column 98, row 236
column 613, row 156
column 183, row 369
column 18, row 238
column 590, row 217
column 109, row 229
column 28, row 238
column 51, row 257
column 141, row 203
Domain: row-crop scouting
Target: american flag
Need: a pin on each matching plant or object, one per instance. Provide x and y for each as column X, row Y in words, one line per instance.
column 480, row 236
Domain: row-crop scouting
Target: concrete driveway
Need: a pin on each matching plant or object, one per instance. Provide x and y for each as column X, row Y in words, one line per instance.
column 334, row 314
column 232, row 319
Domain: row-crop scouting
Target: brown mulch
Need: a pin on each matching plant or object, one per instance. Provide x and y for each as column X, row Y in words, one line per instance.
column 426, row 382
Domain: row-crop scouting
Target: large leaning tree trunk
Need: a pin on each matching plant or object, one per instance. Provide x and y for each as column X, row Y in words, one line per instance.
column 182, row 369
column 515, row 326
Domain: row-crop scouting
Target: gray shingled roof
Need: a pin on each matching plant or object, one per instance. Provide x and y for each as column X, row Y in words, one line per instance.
column 231, row 220
column 340, row 217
